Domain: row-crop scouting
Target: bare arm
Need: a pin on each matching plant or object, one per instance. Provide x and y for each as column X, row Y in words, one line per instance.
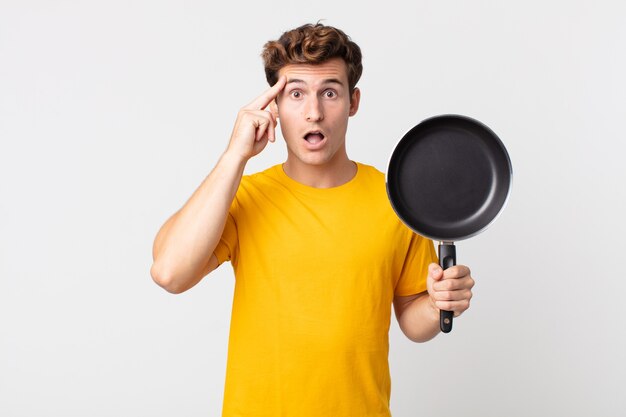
column 183, row 248
column 418, row 315
column 418, row 320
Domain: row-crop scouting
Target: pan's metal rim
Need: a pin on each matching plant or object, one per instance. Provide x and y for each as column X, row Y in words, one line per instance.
column 506, row 198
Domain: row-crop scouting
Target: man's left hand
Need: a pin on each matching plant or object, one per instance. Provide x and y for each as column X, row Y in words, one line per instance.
column 450, row 290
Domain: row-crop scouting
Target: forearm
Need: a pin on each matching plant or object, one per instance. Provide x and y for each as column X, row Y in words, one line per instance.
column 185, row 243
column 419, row 320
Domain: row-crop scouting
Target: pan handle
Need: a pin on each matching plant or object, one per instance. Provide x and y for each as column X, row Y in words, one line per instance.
column 447, row 258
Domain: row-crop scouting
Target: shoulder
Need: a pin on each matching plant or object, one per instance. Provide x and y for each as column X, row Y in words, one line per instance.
column 372, row 180
column 375, row 182
column 259, row 186
column 370, row 171
column 260, row 179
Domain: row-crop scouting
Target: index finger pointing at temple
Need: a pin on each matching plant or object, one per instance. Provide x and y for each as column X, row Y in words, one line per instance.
column 266, row 98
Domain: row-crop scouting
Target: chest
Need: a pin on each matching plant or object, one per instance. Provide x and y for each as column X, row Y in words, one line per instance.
column 324, row 235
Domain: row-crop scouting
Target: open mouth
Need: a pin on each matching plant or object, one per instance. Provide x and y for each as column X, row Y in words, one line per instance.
column 314, row 137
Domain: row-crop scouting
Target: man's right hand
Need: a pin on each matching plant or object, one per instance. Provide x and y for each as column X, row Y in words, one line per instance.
column 184, row 247
column 255, row 126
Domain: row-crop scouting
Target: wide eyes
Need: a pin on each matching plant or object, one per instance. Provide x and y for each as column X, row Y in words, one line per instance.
column 297, row 94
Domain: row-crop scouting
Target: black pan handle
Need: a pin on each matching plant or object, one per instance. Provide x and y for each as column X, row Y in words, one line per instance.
column 447, row 258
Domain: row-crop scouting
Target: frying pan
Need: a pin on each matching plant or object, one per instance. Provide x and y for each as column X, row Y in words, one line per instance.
column 448, row 179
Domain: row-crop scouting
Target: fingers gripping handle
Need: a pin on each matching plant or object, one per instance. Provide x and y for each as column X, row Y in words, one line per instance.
column 447, row 258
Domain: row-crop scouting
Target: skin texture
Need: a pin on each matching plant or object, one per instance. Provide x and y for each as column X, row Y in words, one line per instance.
column 317, row 98
column 306, row 98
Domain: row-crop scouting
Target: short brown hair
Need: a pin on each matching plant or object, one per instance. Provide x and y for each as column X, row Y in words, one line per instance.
column 312, row 44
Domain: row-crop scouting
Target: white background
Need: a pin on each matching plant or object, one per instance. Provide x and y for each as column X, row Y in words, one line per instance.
column 112, row 113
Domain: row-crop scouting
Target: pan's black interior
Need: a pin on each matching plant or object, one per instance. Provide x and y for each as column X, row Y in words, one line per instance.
column 449, row 177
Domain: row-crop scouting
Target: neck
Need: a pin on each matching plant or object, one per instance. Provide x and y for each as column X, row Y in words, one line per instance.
column 334, row 173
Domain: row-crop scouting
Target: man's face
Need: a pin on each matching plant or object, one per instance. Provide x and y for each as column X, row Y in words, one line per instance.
column 313, row 109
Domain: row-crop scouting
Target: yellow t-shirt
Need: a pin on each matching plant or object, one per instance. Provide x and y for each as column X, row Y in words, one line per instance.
column 316, row 271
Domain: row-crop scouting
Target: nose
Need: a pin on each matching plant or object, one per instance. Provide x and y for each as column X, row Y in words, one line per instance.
column 313, row 110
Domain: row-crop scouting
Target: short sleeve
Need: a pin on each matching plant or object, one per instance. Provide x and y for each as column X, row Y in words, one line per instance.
column 227, row 246
column 420, row 254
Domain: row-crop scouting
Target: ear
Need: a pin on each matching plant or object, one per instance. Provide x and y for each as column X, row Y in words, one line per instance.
column 354, row 101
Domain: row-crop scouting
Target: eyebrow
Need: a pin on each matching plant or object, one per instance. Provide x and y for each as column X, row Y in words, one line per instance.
column 326, row 81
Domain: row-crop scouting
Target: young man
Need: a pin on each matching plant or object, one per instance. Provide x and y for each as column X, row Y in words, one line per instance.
column 318, row 253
